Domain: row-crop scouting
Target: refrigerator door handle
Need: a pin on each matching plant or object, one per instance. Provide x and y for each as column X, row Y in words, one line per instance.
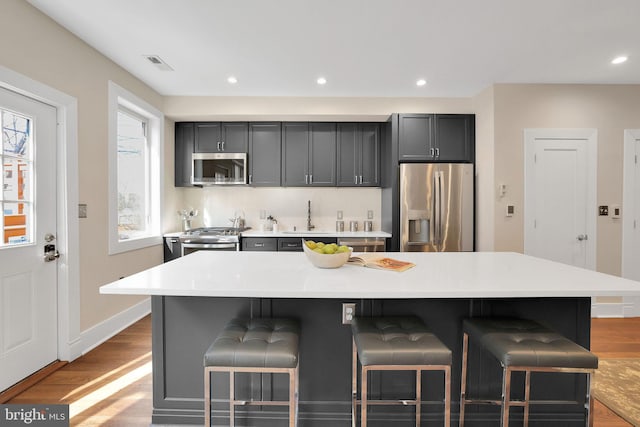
column 434, row 211
column 438, row 219
column 442, row 207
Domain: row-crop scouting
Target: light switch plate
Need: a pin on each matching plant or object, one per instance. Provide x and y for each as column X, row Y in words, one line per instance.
column 339, row 215
column 82, row 210
column 369, row 214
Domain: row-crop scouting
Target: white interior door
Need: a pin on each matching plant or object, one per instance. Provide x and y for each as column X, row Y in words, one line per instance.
column 631, row 216
column 559, row 222
column 28, row 285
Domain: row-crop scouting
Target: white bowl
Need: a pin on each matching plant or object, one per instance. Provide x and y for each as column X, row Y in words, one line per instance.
column 326, row 260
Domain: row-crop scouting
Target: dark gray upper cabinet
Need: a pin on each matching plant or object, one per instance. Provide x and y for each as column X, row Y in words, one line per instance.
column 322, row 154
column 358, row 154
column 455, row 137
column 436, row 137
column 264, row 154
column 415, row 138
column 213, row 137
column 184, row 135
column 309, row 154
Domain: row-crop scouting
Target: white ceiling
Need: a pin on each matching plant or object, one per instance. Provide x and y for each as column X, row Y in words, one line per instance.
column 362, row 47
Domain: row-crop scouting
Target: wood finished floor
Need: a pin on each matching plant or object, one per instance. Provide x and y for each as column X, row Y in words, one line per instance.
column 111, row 385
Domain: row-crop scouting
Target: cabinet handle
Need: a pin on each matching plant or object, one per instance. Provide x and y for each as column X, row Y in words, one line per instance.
column 292, row 245
column 310, row 179
column 355, row 179
column 306, row 179
column 431, row 152
column 218, row 145
column 360, row 179
column 437, row 152
column 250, row 179
column 222, row 145
column 259, row 245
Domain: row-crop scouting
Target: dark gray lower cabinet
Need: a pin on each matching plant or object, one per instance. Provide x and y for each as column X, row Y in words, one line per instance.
column 325, row 362
column 172, row 248
column 285, row 244
column 259, row 244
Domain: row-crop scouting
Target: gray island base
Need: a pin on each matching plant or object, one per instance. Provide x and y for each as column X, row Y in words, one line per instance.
column 183, row 328
column 194, row 296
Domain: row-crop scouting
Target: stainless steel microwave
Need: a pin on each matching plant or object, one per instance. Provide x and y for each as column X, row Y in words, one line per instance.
column 219, row 168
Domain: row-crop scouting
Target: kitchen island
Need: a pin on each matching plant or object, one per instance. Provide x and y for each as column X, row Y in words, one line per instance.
column 194, row 296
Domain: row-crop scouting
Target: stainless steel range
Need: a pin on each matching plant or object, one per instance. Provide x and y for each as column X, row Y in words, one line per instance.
column 211, row 239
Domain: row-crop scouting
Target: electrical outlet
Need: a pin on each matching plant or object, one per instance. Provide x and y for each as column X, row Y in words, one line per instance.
column 369, row 214
column 348, row 311
column 603, row 210
column 339, row 215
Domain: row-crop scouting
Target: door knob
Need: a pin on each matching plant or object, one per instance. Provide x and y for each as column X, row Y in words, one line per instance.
column 582, row 237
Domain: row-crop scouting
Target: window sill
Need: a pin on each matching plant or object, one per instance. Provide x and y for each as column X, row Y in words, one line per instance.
column 134, row 244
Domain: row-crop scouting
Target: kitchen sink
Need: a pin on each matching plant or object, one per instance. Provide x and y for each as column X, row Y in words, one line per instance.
column 305, row 232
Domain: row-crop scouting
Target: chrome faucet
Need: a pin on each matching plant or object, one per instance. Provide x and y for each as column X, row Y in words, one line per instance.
column 309, row 226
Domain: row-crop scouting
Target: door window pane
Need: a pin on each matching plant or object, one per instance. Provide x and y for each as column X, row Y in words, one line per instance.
column 133, row 173
column 16, row 197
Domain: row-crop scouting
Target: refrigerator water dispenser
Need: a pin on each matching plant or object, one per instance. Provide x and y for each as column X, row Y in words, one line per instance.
column 418, row 230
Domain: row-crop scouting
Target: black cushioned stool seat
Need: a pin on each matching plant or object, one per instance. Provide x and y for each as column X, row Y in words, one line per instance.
column 254, row 345
column 397, row 344
column 524, row 345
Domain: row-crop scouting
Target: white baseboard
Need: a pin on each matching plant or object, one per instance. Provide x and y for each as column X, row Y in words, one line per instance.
column 617, row 309
column 101, row 332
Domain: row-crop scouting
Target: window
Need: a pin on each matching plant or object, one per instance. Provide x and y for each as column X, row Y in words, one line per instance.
column 135, row 177
column 16, row 179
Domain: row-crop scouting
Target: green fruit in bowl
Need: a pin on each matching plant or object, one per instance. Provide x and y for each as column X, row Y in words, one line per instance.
column 319, row 250
column 329, row 250
column 342, row 249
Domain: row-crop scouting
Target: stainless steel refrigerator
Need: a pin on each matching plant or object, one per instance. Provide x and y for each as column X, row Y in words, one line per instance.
column 436, row 207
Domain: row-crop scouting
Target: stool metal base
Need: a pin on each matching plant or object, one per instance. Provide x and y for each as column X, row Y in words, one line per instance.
column 292, row 403
column 365, row 402
column 506, row 402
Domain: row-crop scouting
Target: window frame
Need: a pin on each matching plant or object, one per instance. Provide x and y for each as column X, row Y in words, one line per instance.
column 121, row 99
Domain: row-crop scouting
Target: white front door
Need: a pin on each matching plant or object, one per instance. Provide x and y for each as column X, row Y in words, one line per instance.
column 631, row 216
column 559, row 222
column 28, row 285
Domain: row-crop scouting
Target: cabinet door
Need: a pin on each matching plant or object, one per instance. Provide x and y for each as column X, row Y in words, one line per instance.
column 290, row 244
column 369, row 143
column 322, row 154
column 207, row 137
column 264, row 154
column 347, row 160
column 454, row 139
column 184, row 139
column 259, row 244
column 415, row 140
column 295, row 154
column 172, row 248
column 234, row 137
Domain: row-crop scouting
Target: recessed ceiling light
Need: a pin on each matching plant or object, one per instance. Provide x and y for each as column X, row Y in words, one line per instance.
column 232, row 80
column 421, row 82
column 619, row 60
column 321, row 80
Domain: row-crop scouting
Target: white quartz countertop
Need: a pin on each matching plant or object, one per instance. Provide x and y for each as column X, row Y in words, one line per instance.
column 436, row 275
column 312, row 234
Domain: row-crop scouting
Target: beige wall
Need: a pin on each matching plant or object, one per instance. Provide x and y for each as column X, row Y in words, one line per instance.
column 608, row 108
column 37, row 47
column 485, row 170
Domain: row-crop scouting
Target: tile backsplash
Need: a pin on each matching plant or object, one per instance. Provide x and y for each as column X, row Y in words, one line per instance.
column 216, row 205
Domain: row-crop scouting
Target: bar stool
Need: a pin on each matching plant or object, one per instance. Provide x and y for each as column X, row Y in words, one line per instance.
column 524, row 346
column 397, row 344
column 254, row 345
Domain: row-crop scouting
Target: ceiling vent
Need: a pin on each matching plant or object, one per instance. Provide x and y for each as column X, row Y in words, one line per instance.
column 158, row 62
